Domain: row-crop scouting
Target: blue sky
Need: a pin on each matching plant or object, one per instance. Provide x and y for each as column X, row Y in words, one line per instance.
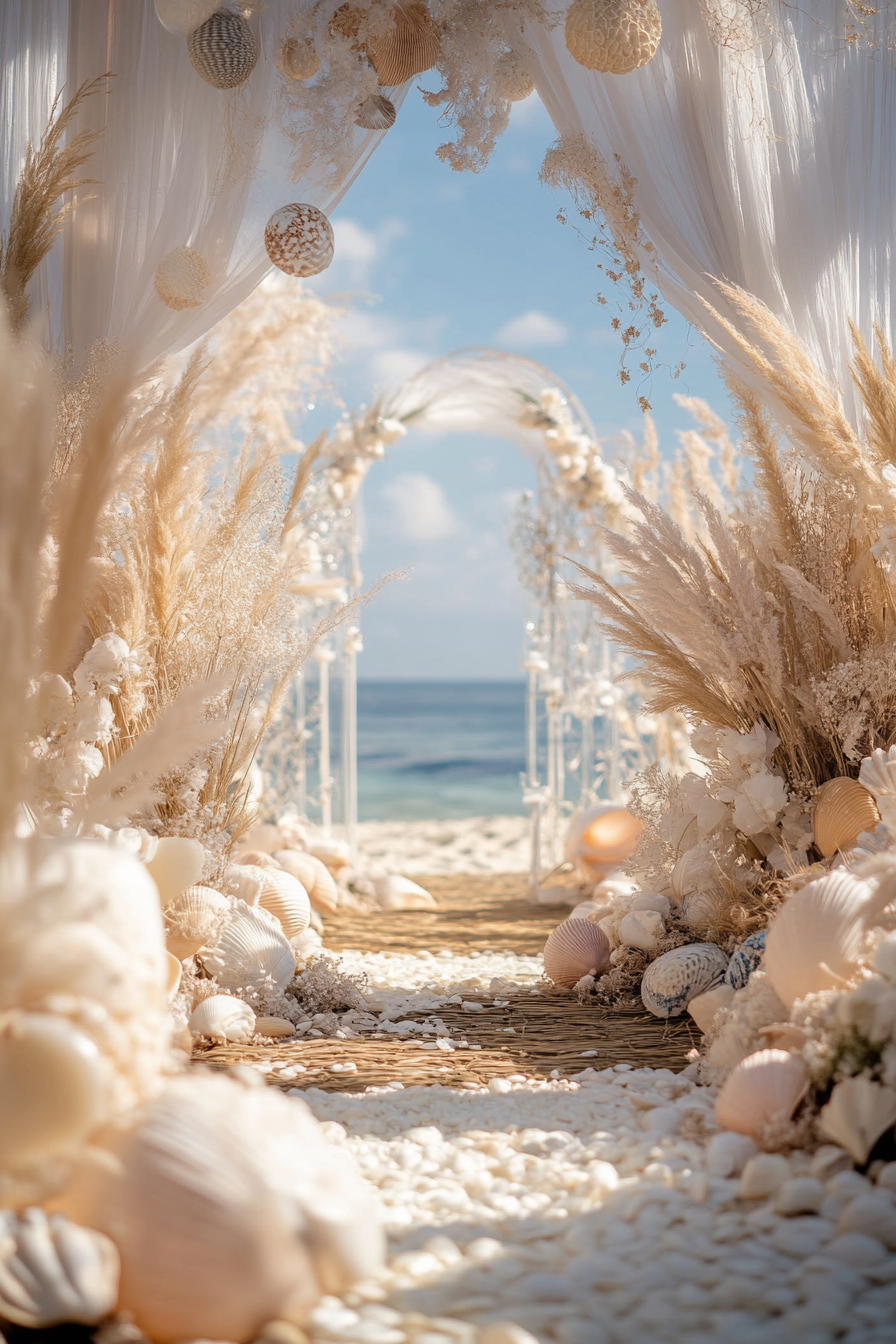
column 436, row 260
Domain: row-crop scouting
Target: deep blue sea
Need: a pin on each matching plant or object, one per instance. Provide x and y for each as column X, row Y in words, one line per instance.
column 439, row 749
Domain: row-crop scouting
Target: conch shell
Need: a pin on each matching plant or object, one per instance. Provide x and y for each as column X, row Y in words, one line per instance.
column 843, row 809
column 221, row 1017
column 52, row 1271
column 574, row 949
column 856, row 1116
column 765, row 1087
column 400, row 893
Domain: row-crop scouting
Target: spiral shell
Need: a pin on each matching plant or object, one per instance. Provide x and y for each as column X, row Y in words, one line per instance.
column 511, row 79
column 314, row 876
column 817, row 938
column 601, row 838
column 299, row 239
column 745, row 960
column 843, row 809
column 52, row 1271
column 678, row 976
column 574, row 949
column 286, row 899
column 763, row 1088
column 223, row 50
column 856, row 1116
column 193, row 920
column 376, row 113
column 176, row 865
column 613, row 36
column 252, row 952
column 298, row 58
column 182, row 277
column 223, row 1018
column 412, row 45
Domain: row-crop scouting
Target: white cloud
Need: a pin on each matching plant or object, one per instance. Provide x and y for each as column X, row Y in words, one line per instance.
column 532, row 329
column 358, row 250
column 530, row 114
column 420, row 511
column 388, row 368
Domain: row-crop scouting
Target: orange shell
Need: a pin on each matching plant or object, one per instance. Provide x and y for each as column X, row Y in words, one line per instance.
column 413, row 45
column 843, row 809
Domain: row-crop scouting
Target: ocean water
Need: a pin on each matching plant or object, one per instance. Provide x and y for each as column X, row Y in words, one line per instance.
column 440, row 749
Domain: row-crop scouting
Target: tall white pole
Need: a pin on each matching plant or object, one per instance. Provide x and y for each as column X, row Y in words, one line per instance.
column 353, row 646
column 323, row 657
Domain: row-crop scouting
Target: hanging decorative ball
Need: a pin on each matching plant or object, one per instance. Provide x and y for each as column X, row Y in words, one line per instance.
column 411, row 46
column 298, row 58
column 376, row 113
column 182, row 16
column 223, row 50
column 613, row 36
column 182, row 278
column 299, row 240
column 511, row 80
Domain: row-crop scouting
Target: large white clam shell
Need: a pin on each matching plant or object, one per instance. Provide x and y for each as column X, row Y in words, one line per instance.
column 51, row 1270
column 816, row 939
column 284, row 897
column 678, row 976
column 765, row 1087
column 221, row 1017
column 176, row 865
column 252, row 952
column 314, row 876
column 858, row 1113
column 602, row 837
column 574, row 949
column 193, row 920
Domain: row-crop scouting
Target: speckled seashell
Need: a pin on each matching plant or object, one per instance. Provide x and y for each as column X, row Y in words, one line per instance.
column 287, row 900
column 376, row 113
column 52, row 1271
column 678, row 976
column 223, row 1018
column 223, row 50
column 411, row 46
column 704, row 1008
column 817, row 938
column 298, row 58
column 314, row 876
column 274, row 1026
column 182, row 278
column 252, row 952
column 511, row 79
column 574, row 949
column 843, row 809
column 745, row 960
column 763, row 1088
column 193, row 920
column 858, row 1113
column 641, row 928
column 613, row 36
column 299, row 239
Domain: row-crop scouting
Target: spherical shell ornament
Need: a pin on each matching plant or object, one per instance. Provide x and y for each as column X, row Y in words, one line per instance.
column 314, row 876
column 223, row 50
column 182, row 278
column 574, row 949
column 252, row 952
column 816, row 939
column 376, row 113
column 511, row 79
column 51, row 1270
column 274, row 1026
column 299, row 240
column 704, row 1008
column 641, row 928
column 411, row 46
column 843, row 809
column 400, row 893
column 745, row 960
column 763, row 1088
column 287, row 900
column 184, row 16
column 176, row 865
column 223, row 1018
column 857, row 1115
column 613, row 36
column 193, row 920
column 298, row 58
column 601, row 838
column 678, row 976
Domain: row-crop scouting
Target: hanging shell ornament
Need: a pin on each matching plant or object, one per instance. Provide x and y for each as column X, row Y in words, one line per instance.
column 299, row 240
column 745, row 960
column 314, row 876
column 221, row 1017
column 762, row 1089
column 52, row 1271
column 376, row 113
column 176, row 865
column 182, row 278
column 183, row 16
column 678, row 976
column 511, row 80
column 858, row 1114
column 297, row 58
column 252, row 952
column 286, row 899
column 194, row 919
column 843, row 809
column 613, row 36
column 601, row 838
column 413, row 44
column 223, row 50
column 574, row 949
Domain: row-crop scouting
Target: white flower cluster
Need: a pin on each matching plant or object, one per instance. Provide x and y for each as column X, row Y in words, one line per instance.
column 582, row 474
column 355, row 446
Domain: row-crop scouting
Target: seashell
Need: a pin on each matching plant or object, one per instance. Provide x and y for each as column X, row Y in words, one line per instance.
column 745, row 960
column 700, row 910
column 764, row 1175
column 763, row 1088
column 609, row 888
column 335, row 854
column 252, row 952
column 286, row 899
column 817, row 938
column 884, row 959
column 590, row 909
column 858, row 1114
column 704, row 1007
column 183, row 16
column 400, row 893
column 273, row 1026
column 844, row 808
column 376, row 113
column 609, row 926
column 556, row 895
column 652, row 900
column 601, row 838
column 194, row 919
column 176, row 865
column 52, row 1271
column 878, row 773
column 511, row 80
column 182, row 278
column 223, row 50
column 298, row 58
column 223, row 1018
column 299, row 239
column 613, row 36
column 54, row 1086
column 256, row 858
column 574, row 949
column 689, row 874
column 218, row 1184
column 641, row 928
column 246, row 880
column 314, row 876
column 678, row 976
column 412, row 45
column 175, row 974
column 783, row 1036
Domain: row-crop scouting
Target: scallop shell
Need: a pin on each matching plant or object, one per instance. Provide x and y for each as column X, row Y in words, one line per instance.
column 52, row 1271
column 286, row 899
column 858, row 1113
column 273, row 1026
column 511, row 80
column 678, row 976
column 252, row 952
column 745, row 960
column 400, row 893
column 256, row 858
column 574, row 949
column 334, row 854
column 223, row 1018
column 193, row 920
column 299, row 239
column 223, row 50
column 376, row 113
column 298, row 58
column 843, row 809
column 176, row 865
column 641, row 928
column 700, row 910
column 763, row 1088
column 601, row 838
column 411, row 46
column 182, row 278
column 704, row 1008
column 817, row 938
column 314, row 876
column 182, row 16
column 613, row 36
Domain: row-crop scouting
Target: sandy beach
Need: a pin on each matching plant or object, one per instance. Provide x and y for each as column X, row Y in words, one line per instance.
column 468, row 845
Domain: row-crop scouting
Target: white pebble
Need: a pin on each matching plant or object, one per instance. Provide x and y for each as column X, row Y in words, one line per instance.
column 802, row 1194
column 499, row 1085
column 857, row 1249
column 886, row 1177
column 873, row 1215
column 763, row 1175
column 728, row 1153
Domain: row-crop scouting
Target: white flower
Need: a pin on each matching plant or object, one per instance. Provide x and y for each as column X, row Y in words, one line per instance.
column 105, row 665
column 758, row 801
column 745, row 752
